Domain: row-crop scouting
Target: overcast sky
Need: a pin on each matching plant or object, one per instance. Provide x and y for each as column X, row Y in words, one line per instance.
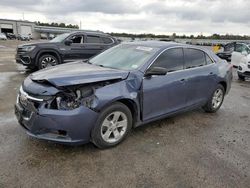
column 134, row 16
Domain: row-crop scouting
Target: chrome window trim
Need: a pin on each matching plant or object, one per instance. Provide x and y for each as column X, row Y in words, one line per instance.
column 180, row 70
column 183, row 47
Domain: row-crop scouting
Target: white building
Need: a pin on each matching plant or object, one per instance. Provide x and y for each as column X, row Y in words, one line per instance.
column 24, row 27
column 17, row 27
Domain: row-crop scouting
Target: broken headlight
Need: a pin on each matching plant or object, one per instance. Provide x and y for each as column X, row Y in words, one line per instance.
column 69, row 101
column 65, row 103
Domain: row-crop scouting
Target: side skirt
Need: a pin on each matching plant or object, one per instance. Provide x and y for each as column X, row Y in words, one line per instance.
column 196, row 106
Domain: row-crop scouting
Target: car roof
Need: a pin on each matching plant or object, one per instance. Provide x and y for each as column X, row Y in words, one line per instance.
column 164, row 45
column 90, row 32
column 154, row 44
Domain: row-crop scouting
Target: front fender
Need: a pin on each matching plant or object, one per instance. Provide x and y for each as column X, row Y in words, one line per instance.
column 114, row 92
column 126, row 90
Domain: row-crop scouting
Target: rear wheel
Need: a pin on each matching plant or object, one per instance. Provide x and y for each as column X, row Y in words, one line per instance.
column 47, row 60
column 112, row 126
column 216, row 100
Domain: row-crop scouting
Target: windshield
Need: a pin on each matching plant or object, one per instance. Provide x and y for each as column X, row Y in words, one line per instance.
column 60, row 38
column 124, row 57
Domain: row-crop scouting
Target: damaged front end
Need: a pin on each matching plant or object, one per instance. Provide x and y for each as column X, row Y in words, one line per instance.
column 62, row 114
column 72, row 97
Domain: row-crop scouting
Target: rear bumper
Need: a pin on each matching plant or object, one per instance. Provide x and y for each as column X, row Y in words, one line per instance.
column 67, row 127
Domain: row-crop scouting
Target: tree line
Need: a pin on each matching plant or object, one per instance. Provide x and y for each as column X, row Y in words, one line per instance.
column 150, row 35
column 175, row 36
column 53, row 24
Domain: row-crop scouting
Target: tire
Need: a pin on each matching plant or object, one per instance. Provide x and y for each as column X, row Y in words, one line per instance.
column 105, row 133
column 241, row 77
column 47, row 60
column 214, row 104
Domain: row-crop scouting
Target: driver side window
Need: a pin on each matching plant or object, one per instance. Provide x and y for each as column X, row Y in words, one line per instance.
column 171, row 59
column 77, row 39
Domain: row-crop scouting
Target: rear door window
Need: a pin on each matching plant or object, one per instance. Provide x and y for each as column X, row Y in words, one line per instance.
column 93, row 39
column 171, row 59
column 194, row 58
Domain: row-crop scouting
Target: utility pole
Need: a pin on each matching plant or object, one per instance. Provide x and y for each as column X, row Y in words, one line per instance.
column 23, row 15
column 80, row 24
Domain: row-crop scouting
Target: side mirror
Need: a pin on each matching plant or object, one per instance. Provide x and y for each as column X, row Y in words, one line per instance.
column 156, row 71
column 244, row 53
column 68, row 42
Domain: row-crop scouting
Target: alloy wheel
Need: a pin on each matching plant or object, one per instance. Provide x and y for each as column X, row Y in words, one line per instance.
column 217, row 98
column 48, row 62
column 114, row 127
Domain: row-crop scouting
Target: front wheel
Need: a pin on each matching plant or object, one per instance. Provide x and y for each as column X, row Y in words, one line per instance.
column 47, row 60
column 216, row 100
column 112, row 126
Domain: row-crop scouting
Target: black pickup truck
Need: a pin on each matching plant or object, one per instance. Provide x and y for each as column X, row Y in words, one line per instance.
column 64, row 48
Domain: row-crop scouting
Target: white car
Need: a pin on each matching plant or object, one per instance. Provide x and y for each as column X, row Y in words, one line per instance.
column 244, row 67
column 239, row 54
column 3, row 36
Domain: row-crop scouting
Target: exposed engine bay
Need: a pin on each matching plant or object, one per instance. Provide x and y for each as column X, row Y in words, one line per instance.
column 72, row 97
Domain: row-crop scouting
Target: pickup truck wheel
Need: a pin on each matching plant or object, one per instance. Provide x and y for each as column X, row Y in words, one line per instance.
column 47, row 60
column 216, row 100
column 112, row 126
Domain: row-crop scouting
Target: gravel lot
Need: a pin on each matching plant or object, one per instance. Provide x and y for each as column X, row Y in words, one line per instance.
column 194, row 149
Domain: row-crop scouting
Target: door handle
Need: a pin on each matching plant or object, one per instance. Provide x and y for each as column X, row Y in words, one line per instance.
column 183, row 79
column 211, row 73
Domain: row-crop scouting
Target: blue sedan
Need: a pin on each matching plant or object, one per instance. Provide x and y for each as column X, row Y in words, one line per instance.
column 102, row 99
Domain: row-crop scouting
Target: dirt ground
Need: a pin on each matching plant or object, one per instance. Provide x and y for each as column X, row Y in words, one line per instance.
column 193, row 149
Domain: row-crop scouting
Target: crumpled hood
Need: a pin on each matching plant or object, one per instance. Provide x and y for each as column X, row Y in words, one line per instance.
column 77, row 73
